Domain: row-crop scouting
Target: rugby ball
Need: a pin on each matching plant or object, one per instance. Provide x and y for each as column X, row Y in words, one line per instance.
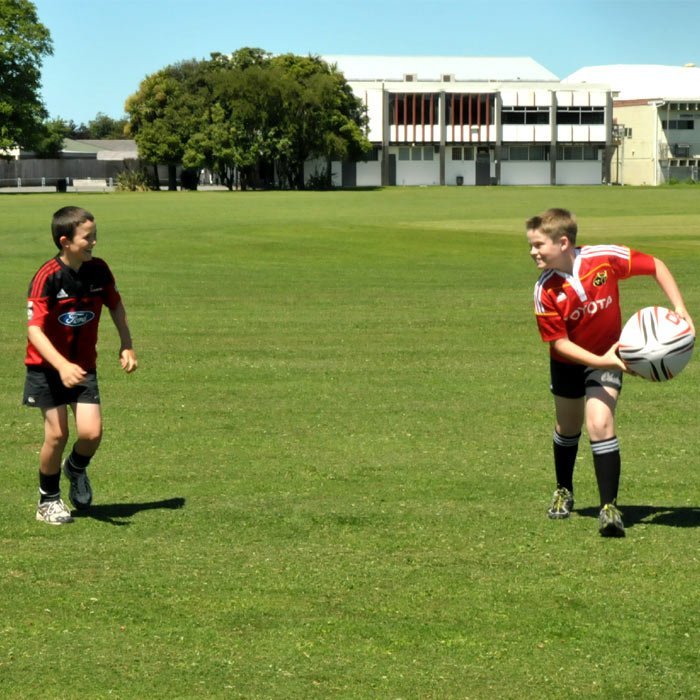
column 656, row 343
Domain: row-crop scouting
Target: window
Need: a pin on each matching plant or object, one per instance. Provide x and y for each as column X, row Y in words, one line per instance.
column 462, row 153
column 416, row 153
column 469, row 110
column 580, row 115
column 413, row 109
column 525, row 115
column 372, row 156
column 525, row 153
column 679, row 124
column 577, row 152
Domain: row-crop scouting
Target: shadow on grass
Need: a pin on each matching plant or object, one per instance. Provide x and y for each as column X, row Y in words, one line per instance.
column 671, row 516
column 119, row 513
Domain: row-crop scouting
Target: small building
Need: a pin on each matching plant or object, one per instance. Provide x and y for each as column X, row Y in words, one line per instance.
column 475, row 121
column 655, row 112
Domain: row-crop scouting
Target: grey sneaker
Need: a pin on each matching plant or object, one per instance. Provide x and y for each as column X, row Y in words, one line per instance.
column 80, row 493
column 54, row 513
column 562, row 504
column 610, row 521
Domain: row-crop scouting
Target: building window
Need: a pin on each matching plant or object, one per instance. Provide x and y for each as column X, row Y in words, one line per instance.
column 416, row 153
column 534, row 153
column 525, row 115
column 415, row 109
column 581, row 152
column 372, row 156
column 469, row 110
column 462, row 153
column 679, row 124
column 580, row 115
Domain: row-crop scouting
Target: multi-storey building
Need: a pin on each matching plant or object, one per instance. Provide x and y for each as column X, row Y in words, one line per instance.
column 655, row 110
column 476, row 121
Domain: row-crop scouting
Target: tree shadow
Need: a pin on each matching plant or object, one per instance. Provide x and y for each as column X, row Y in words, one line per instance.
column 670, row 516
column 118, row 513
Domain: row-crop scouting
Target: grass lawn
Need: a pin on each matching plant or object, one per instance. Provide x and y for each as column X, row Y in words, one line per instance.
column 329, row 476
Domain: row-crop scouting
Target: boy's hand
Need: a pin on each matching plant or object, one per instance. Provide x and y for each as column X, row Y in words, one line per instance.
column 612, row 360
column 71, row 374
column 127, row 359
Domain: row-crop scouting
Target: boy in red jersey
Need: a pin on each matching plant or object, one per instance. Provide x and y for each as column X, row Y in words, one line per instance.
column 577, row 306
column 64, row 303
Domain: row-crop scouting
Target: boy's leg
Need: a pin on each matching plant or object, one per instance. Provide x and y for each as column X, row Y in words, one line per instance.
column 55, row 439
column 51, row 508
column 569, row 419
column 600, row 423
column 88, row 423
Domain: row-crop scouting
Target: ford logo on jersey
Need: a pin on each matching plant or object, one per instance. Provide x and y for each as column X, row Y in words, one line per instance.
column 76, row 318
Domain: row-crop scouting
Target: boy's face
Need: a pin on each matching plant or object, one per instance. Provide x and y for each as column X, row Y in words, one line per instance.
column 549, row 254
column 79, row 250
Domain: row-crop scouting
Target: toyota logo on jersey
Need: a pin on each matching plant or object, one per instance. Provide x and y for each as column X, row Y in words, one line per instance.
column 76, row 318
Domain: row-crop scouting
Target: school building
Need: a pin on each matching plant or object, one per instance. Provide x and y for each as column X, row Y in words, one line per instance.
column 655, row 112
column 475, row 121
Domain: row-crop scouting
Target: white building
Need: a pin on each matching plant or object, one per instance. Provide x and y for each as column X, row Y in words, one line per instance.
column 655, row 110
column 475, row 121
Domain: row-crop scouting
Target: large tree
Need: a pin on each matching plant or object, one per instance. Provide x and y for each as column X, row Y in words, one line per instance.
column 166, row 112
column 24, row 42
column 245, row 115
column 321, row 116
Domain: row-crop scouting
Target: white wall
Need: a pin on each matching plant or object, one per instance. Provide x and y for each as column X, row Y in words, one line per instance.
column 579, row 172
column 525, row 172
column 464, row 168
column 369, row 174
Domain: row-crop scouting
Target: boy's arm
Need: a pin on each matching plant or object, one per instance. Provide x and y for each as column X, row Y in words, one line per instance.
column 70, row 373
column 127, row 356
column 571, row 351
column 666, row 281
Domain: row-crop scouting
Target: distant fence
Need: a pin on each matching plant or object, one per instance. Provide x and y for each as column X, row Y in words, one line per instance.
column 48, row 171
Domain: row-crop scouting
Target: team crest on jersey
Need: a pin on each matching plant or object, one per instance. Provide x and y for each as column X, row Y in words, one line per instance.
column 600, row 279
column 76, row 318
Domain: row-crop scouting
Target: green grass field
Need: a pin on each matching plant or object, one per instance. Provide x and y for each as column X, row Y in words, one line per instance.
column 329, row 476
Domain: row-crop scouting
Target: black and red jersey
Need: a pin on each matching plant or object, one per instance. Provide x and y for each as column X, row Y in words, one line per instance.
column 66, row 304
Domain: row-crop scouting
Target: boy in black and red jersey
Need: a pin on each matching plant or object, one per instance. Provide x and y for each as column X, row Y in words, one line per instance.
column 577, row 307
column 64, row 303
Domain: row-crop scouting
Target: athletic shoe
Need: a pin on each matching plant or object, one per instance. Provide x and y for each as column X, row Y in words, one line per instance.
column 80, row 490
column 562, row 504
column 54, row 512
column 610, row 521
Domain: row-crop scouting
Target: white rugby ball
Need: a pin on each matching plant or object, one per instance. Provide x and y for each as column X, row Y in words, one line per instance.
column 656, row 343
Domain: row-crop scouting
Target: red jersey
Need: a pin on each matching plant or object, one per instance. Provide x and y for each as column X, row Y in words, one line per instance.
column 66, row 304
column 585, row 305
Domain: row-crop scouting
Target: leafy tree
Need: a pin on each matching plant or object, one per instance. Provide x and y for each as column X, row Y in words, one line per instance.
column 24, row 41
column 50, row 142
column 104, row 127
column 166, row 112
column 321, row 116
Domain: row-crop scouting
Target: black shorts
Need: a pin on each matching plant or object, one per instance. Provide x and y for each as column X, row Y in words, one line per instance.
column 43, row 388
column 571, row 381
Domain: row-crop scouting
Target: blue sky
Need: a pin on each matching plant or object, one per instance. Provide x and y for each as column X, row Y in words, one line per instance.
column 104, row 48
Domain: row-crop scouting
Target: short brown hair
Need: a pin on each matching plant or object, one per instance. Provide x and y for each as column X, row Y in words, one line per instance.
column 65, row 221
column 554, row 223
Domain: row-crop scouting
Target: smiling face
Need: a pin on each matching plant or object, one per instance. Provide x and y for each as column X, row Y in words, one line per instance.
column 79, row 250
column 549, row 254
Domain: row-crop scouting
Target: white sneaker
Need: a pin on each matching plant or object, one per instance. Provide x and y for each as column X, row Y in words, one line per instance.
column 80, row 492
column 54, row 513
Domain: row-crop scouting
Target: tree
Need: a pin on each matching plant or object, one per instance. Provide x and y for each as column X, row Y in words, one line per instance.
column 166, row 112
column 104, row 127
column 24, row 41
column 321, row 116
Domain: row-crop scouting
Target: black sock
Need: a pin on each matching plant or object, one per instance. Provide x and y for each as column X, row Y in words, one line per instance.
column 78, row 463
column 49, row 487
column 565, row 451
column 606, row 460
